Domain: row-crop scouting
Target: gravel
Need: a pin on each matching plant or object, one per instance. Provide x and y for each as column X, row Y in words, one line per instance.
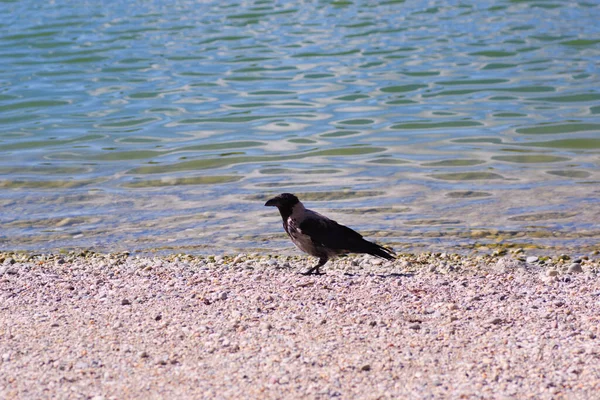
column 424, row 326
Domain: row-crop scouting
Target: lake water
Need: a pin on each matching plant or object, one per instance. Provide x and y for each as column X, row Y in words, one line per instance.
column 164, row 125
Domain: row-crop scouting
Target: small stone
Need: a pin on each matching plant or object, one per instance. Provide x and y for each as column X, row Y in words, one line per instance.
column 506, row 264
column 432, row 268
column 552, row 272
column 415, row 327
column 238, row 259
column 81, row 365
column 272, row 262
column 354, row 263
column 499, row 252
column 125, row 302
column 164, row 360
column 366, row 367
column 223, row 296
column 575, row 268
column 9, row 261
column 266, row 327
column 376, row 261
column 143, row 354
column 496, row 321
column 158, row 317
column 531, row 259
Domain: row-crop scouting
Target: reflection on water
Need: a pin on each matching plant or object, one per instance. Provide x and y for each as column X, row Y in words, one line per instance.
column 144, row 125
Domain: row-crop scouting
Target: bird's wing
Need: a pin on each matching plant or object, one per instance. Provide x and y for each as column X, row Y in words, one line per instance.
column 328, row 233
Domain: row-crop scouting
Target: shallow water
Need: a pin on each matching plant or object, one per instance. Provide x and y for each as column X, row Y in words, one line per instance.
column 165, row 125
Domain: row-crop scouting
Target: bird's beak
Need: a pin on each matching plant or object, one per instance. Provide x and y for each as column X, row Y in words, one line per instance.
column 272, row 202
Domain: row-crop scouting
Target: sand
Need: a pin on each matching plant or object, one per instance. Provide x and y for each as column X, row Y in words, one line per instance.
column 116, row 326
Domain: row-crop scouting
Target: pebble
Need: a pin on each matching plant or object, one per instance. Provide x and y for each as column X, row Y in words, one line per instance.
column 125, row 302
column 552, row 272
column 575, row 268
column 273, row 335
column 506, row 264
column 238, row 259
column 531, row 259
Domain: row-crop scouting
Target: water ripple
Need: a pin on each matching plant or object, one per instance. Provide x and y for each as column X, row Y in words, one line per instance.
column 140, row 121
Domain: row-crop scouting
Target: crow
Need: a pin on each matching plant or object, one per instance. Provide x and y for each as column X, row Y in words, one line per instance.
column 320, row 236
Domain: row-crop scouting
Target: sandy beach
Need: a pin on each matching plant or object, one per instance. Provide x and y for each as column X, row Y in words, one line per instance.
column 116, row 326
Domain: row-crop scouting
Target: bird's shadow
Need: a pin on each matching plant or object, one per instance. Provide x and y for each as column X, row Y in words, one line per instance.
column 391, row 275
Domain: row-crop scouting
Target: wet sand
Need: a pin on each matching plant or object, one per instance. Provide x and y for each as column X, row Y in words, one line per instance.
column 106, row 326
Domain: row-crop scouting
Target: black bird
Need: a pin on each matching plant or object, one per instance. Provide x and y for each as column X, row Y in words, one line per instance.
column 320, row 236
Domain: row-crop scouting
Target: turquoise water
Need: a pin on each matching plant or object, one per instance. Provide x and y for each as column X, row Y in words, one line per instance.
column 166, row 124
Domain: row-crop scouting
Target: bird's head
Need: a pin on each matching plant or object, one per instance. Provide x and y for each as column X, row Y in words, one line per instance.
column 283, row 201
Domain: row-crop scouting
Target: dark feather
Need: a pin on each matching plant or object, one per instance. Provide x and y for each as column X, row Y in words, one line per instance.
column 327, row 233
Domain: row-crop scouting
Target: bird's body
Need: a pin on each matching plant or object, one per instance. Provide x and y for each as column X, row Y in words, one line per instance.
column 320, row 236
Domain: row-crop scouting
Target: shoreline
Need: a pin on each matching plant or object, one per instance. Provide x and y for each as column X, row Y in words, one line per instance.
column 106, row 326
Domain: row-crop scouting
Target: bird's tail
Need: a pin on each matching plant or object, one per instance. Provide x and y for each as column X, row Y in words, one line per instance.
column 377, row 250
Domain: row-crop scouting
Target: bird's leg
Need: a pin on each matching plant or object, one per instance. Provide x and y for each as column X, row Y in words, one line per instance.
column 315, row 270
